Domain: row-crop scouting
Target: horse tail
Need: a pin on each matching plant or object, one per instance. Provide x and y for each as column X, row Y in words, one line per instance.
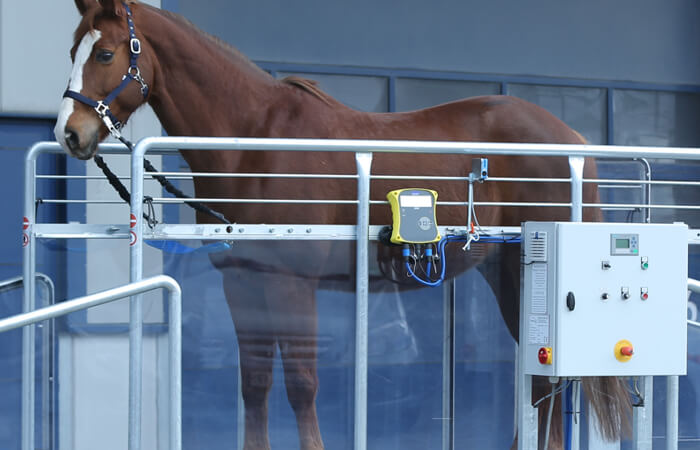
column 608, row 396
column 610, row 399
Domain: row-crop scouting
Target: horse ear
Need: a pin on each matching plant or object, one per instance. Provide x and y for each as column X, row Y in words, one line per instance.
column 82, row 5
column 115, row 7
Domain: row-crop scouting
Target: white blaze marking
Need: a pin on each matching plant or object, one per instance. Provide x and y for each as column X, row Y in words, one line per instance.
column 76, row 84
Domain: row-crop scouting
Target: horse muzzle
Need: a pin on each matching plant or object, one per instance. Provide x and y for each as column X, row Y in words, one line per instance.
column 79, row 147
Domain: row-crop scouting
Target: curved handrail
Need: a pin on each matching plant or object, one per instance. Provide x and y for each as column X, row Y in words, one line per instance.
column 694, row 285
column 109, row 295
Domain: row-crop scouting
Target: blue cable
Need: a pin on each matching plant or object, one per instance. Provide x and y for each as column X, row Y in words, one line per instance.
column 441, row 250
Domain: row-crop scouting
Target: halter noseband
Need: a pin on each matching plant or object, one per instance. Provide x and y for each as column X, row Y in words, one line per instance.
column 132, row 74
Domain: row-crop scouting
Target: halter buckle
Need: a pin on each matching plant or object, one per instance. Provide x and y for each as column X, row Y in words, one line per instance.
column 135, row 46
column 102, row 109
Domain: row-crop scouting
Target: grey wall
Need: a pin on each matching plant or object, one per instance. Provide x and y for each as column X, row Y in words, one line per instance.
column 639, row 40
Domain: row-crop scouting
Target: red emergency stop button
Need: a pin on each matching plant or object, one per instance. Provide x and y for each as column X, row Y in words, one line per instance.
column 624, row 350
column 544, row 355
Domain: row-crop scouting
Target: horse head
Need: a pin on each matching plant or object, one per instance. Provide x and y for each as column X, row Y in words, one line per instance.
column 111, row 66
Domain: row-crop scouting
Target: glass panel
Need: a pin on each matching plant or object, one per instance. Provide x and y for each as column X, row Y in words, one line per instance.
column 414, row 93
column 656, row 118
column 363, row 93
column 663, row 119
column 11, row 301
column 583, row 109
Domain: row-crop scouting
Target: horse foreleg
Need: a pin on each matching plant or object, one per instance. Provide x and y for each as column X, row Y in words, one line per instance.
column 296, row 332
column 256, row 345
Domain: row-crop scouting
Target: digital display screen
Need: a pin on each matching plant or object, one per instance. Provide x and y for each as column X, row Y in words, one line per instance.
column 416, row 201
column 622, row 243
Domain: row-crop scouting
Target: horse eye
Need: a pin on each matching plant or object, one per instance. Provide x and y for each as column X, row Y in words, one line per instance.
column 104, row 56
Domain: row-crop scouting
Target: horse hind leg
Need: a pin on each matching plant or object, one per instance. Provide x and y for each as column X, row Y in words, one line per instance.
column 502, row 271
column 296, row 332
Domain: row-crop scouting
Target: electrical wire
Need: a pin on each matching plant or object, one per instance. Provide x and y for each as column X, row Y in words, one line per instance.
column 549, row 416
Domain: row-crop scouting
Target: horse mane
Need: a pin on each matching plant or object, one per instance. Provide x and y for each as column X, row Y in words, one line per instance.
column 310, row 86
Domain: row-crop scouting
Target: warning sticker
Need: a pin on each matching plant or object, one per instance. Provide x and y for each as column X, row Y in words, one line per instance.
column 538, row 330
column 538, row 292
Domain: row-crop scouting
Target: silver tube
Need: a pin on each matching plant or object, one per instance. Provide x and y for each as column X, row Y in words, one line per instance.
column 694, row 285
column 136, row 302
column 175, row 347
column 576, row 167
column 643, row 416
column 29, row 301
column 11, row 284
column 647, row 174
column 28, row 389
column 364, row 164
column 175, row 332
column 672, row 412
column 467, row 148
column 88, row 301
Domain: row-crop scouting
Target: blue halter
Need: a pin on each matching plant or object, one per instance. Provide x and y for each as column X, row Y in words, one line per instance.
column 132, row 74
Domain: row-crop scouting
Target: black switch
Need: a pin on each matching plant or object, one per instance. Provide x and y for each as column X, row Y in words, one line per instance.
column 570, row 301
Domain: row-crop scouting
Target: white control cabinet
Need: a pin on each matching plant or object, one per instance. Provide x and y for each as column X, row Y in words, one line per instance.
column 604, row 299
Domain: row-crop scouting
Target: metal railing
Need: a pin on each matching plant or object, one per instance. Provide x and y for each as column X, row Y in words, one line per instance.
column 29, row 365
column 361, row 232
column 110, row 295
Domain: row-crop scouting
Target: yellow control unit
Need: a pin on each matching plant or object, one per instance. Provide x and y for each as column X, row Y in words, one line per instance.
column 413, row 212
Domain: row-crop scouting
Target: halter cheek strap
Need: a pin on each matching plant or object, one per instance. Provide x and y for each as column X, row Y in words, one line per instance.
column 132, row 74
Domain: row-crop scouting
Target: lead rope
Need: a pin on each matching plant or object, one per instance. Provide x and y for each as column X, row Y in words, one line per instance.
column 124, row 193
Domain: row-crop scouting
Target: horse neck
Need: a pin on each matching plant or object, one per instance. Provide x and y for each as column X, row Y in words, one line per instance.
column 202, row 88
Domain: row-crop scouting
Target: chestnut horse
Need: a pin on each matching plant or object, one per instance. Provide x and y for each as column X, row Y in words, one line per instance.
column 200, row 86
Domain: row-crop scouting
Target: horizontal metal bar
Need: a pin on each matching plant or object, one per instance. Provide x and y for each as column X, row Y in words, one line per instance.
column 428, row 147
column 88, row 301
column 18, row 282
column 172, row 200
column 190, row 175
column 231, row 232
column 694, row 285
column 642, row 205
column 477, row 77
column 243, row 231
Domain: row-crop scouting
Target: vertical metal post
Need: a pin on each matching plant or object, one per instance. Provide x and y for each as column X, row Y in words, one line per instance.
column 29, row 300
column 643, row 417
column 175, row 350
column 526, row 413
column 576, row 164
column 135, row 306
column 576, row 415
column 448, row 364
column 364, row 164
column 672, row 412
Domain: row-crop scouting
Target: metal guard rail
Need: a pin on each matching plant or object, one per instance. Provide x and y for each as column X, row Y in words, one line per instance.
column 363, row 150
column 110, row 295
column 28, row 361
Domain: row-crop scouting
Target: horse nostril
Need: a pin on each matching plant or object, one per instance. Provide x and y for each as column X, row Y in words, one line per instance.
column 72, row 139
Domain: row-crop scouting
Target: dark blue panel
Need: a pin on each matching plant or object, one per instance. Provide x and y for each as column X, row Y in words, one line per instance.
column 16, row 136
